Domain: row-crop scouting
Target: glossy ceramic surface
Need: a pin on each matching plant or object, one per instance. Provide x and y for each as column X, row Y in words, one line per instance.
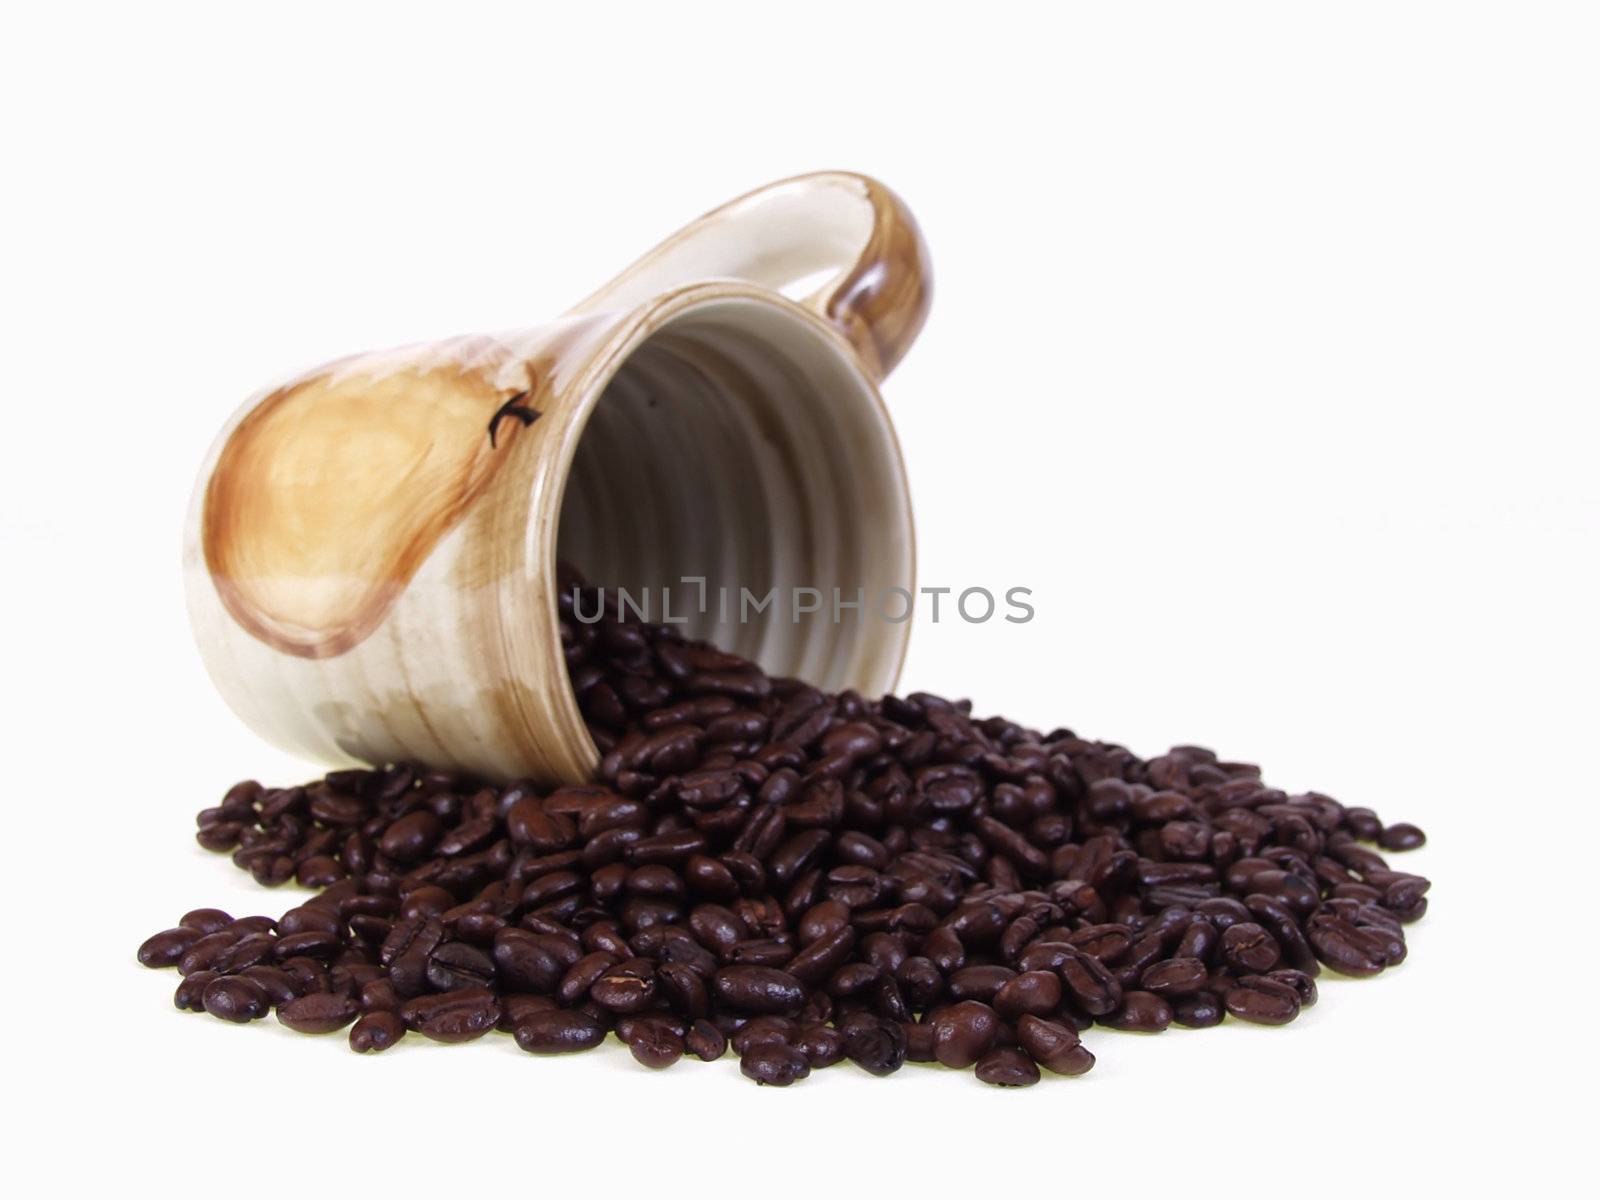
column 371, row 550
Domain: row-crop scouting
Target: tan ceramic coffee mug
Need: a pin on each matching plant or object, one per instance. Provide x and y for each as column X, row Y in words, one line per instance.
column 371, row 549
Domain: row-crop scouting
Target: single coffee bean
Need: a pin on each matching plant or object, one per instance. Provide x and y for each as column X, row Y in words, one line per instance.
column 759, row 990
column 627, row 1027
column 1263, row 1001
column 458, row 1016
column 656, row 1046
column 1286, row 930
column 320, row 1012
column 456, row 965
column 516, row 1007
column 310, row 917
column 1054, row 1046
column 1108, row 943
column 275, row 981
column 1345, row 947
column 411, row 837
column 202, row 954
column 1140, row 1012
column 822, row 1045
column 1175, row 977
column 1304, row 986
column 705, row 1041
column 583, row 975
column 306, row 975
column 248, row 951
column 190, row 993
column 164, row 949
column 1007, row 1066
column 1091, row 983
column 979, row 983
column 1401, row 837
column 528, row 962
column 762, row 1029
column 823, row 956
column 376, row 1031
column 206, row 920
column 1201, row 1010
column 1036, row 992
column 379, row 995
column 236, row 999
column 426, row 901
column 561, row 1031
column 1249, row 949
column 964, row 1032
column 620, row 992
column 774, row 1064
column 1200, row 941
column 874, row 1044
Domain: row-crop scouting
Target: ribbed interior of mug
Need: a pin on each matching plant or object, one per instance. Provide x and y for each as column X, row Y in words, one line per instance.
column 739, row 478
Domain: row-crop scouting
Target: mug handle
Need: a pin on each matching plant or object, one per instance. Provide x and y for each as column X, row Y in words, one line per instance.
column 840, row 244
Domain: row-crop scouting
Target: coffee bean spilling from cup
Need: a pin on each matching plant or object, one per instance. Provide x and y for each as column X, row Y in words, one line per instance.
column 805, row 878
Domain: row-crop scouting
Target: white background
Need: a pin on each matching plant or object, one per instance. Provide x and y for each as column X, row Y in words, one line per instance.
column 1263, row 349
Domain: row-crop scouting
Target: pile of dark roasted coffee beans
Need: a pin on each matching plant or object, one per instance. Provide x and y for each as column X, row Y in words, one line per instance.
column 807, row 877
